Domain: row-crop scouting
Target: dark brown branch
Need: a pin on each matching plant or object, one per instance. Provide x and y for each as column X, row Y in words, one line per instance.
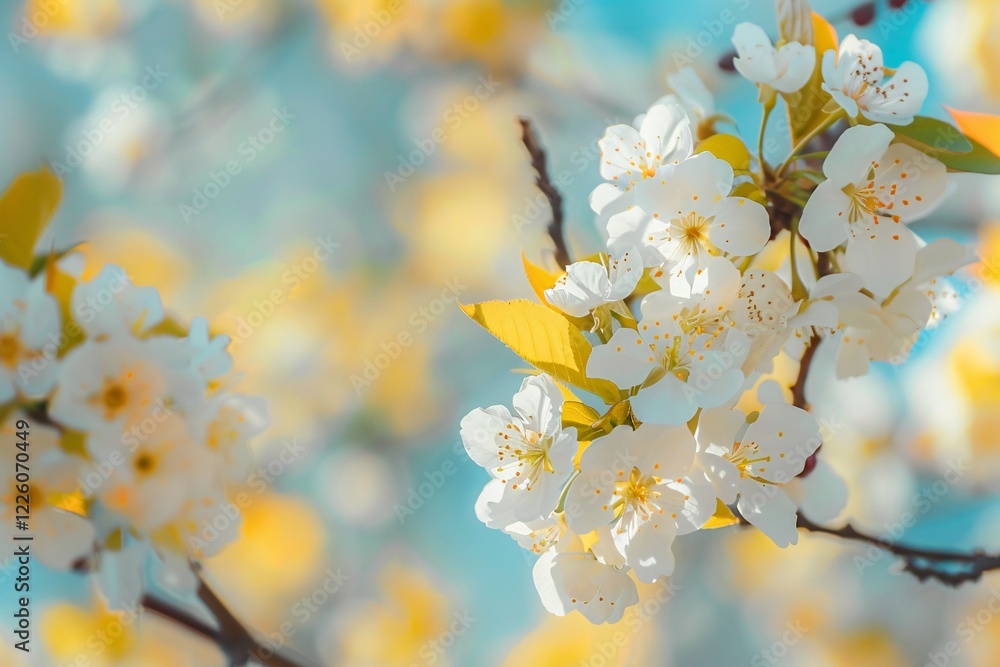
column 951, row 568
column 538, row 162
column 232, row 637
column 799, row 388
column 180, row 617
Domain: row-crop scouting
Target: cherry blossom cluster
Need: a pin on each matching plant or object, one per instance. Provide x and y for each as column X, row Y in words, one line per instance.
column 717, row 263
column 134, row 430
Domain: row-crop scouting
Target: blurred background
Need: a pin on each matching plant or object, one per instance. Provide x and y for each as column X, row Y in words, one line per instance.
column 322, row 179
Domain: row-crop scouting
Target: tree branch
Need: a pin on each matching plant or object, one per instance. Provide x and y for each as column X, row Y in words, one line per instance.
column 799, row 388
column 232, row 637
column 544, row 184
column 180, row 617
column 951, row 568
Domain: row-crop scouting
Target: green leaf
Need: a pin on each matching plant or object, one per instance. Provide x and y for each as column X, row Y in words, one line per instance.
column 976, row 159
column 751, row 191
column 25, row 210
column 980, row 160
column 545, row 339
column 40, row 262
column 930, row 133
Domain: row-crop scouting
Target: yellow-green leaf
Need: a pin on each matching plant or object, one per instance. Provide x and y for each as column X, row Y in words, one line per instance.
column 25, row 209
column 539, row 279
column 60, row 285
column 620, row 414
column 544, row 339
column 74, row 442
column 805, row 108
column 167, row 327
column 723, row 516
column 729, row 148
column 751, row 191
column 578, row 415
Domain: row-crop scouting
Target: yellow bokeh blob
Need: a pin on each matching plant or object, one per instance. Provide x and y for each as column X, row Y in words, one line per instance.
column 72, row 17
column 280, row 550
column 104, row 636
column 411, row 610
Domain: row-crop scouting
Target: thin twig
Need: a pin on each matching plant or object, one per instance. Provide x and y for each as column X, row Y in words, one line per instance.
column 544, row 184
column 922, row 563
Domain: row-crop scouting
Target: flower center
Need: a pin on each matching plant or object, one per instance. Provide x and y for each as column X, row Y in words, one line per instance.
column 636, row 493
column 865, row 202
column 536, row 457
column 868, row 82
column 145, row 463
column 533, row 456
column 113, row 398
column 10, row 348
column 693, row 230
column 744, row 457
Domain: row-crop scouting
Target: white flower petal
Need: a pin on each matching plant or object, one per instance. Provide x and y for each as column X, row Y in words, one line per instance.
column 768, row 508
column 741, row 227
column 883, row 251
column 624, row 359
